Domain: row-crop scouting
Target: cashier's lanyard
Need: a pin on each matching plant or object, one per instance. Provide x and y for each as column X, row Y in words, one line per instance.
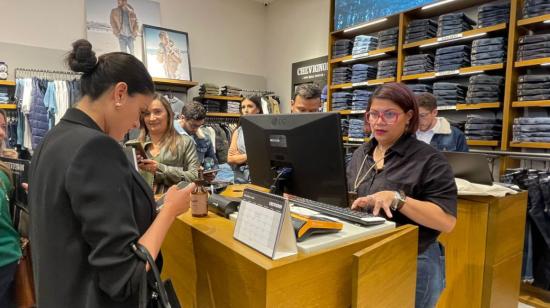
column 353, row 195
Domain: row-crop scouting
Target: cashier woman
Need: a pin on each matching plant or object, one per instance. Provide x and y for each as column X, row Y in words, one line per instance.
column 406, row 180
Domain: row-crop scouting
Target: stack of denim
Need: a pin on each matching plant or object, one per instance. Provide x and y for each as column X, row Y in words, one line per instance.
column 418, row 64
column 482, row 128
column 534, row 87
column 362, row 72
column 420, row 29
column 532, row 8
column 364, row 44
column 531, row 129
column 341, row 75
column 4, row 96
column 488, row 51
column 387, row 69
column 449, row 93
column 360, row 100
column 452, row 58
column 341, row 48
column 534, row 46
column 387, row 38
column 209, row 89
column 453, row 23
column 344, row 124
column 341, row 100
column 492, row 14
column 356, row 128
column 485, row 89
column 420, row 88
column 213, row 106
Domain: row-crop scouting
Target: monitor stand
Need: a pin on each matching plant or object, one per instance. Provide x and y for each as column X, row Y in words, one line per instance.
column 280, row 180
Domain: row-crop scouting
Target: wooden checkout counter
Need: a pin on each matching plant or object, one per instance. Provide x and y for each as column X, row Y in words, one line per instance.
column 483, row 255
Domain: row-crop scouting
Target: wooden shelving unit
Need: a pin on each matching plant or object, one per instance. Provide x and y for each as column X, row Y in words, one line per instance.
column 461, row 71
column 348, row 112
column 477, row 106
column 359, row 140
column 533, row 20
column 174, row 82
column 222, row 114
column 531, row 104
column 483, row 143
column 8, row 83
column 223, row 98
column 530, row 145
column 533, row 62
column 8, row 106
column 375, row 54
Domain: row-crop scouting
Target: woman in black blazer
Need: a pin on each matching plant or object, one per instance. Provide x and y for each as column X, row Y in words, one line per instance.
column 87, row 203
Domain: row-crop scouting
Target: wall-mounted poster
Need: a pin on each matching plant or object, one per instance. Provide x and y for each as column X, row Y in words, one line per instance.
column 116, row 25
column 166, row 53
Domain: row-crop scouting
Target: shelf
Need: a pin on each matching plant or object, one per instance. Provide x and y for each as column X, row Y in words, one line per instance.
column 483, row 143
column 533, row 62
column 462, row 71
column 444, row 108
column 222, row 114
column 534, row 296
column 477, row 106
column 341, row 86
column 348, row 112
column 175, row 83
column 7, row 83
column 470, row 34
column 368, row 83
column 370, row 26
column 531, row 104
column 363, row 56
column 531, row 145
column 8, row 106
column 223, row 98
column 429, row 75
column 348, row 139
column 533, row 20
column 481, row 68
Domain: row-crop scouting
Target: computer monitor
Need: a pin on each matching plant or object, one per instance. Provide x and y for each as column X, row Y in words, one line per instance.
column 308, row 143
column 472, row 167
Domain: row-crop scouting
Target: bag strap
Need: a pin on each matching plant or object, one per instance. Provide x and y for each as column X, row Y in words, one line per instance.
column 145, row 256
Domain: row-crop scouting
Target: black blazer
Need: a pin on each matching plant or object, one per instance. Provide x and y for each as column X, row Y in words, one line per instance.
column 87, row 205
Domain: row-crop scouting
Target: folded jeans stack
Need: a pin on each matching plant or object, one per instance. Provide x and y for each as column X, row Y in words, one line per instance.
column 485, row 89
column 482, row 128
column 213, row 106
column 344, row 124
column 363, row 44
column 449, row 93
column 453, row 23
column 488, row 51
column 493, row 14
column 534, row 87
column 356, row 128
column 387, row 69
column 387, row 38
column 534, row 47
column 420, row 29
column 531, row 129
column 532, row 8
column 341, row 100
column 341, row 75
column 360, row 99
column 227, row 90
column 452, row 58
column 233, row 107
column 420, row 88
column 209, row 89
column 418, row 64
column 4, row 96
column 362, row 72
column 341, row 48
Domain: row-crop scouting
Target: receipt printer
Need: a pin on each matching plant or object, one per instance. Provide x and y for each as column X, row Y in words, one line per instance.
column 223, row 206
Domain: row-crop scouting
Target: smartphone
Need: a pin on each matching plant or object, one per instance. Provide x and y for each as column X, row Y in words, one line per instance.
column 138, row 146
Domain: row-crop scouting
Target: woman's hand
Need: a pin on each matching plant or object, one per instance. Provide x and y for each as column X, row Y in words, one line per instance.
column 177, row 201
column 380, row 200
column 148, row 165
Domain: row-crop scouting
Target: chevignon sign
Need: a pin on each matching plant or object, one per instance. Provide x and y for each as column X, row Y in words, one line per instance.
column 312, row 69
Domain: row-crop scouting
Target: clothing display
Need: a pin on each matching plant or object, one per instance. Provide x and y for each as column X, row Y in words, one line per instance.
column 387, row 69
column 363, row 44
column 492, row 14
column 418, row 64
column 362, row 72
column 209, row 89
column 356, row 128
column 533, row 87
column 214, row 106
column 485, row 89
column 491, row 130
column 453, row 23
column 420, row 29
column 344, row 125
column 360, row 100
column 452, row 58
column 271, row 104
column 230, row 91
column 488, row 51
column 4, row 96
column 533, row 8
column 233, row 107
column 533, row 46
column 341, row 48
column 420, row 88
column 535, row 129
column 341, row 100
column 387, row 38
column 341, row 75
column 449, row 93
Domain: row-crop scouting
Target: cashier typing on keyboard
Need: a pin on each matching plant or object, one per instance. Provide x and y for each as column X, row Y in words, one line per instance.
column 407, row 180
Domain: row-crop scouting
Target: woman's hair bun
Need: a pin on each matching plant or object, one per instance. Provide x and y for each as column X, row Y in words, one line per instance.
column 82, row 58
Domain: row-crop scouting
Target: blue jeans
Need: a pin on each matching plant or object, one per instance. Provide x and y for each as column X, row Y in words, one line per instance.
column 126, row 44
column 7, row 274
column 430, row 276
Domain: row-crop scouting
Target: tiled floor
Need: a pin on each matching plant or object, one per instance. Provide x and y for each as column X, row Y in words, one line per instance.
column 522, row 305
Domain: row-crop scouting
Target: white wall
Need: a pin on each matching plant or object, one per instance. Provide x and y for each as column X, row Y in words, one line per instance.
column 297, row 30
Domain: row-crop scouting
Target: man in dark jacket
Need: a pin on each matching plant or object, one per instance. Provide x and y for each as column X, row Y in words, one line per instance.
column 435, row 130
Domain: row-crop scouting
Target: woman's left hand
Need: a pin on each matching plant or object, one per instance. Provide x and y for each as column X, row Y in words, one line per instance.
column 148, row 165
column 380, row 200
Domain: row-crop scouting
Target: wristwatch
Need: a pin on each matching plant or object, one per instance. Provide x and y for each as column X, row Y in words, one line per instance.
column 398, row 200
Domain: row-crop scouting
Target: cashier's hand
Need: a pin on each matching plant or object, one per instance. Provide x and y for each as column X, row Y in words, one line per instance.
column 380, row 200
column 177, row 201
column 148, row 165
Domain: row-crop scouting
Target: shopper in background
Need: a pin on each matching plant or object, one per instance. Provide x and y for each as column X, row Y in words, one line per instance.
column 172, row 157
column 435, row 130
column 307, row 98
column 193, row 115
column 87, row 204
column 408, row 181
column 237, row 150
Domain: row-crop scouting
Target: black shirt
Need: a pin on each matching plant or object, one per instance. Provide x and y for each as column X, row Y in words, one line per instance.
column 413, row 166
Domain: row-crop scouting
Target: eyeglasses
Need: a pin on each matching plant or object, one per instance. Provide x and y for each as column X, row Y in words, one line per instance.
column 423, row 115
column 388, row 116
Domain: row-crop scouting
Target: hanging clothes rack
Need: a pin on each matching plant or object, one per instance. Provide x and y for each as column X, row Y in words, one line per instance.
column 46, row 74
column 218, row 120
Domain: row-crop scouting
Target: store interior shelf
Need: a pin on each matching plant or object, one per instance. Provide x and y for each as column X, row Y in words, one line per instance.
column 7, row 83
column 531, row 104
column 466, row 35
column 175, row 83
column 533, row 62
column 368, row 83
column 531, row 145
column 347, row 139
column 533, row 20
column 348, row 112
column 375, row 54
column 223, row 98
column 429, row 75
column 461, row 71
column 8, row 106
column 221, row 114
column 370, row 26
column 444, row 108
column 477, row 106
column 483, row 143
column 481, row 68
column 341, row 86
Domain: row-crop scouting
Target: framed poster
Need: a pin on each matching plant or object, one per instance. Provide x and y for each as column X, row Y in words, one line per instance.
column 166, row 53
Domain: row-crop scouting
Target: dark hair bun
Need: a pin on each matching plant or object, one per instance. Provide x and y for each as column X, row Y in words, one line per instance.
column 82, row 58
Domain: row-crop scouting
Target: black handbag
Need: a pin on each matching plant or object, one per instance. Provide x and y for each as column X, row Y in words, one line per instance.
column 160, row 293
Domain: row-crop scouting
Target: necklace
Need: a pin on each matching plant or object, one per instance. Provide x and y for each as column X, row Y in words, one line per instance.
column 360, row 181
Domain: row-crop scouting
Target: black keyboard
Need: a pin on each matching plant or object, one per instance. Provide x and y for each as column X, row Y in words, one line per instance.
column 343, row 213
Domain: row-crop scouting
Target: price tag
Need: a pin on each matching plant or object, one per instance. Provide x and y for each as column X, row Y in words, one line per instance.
column 447, row 73
column 357, row 111
column 449, row 37
column 446, row 108
column 356, row 139
column 360, row 84
column 360, row 56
